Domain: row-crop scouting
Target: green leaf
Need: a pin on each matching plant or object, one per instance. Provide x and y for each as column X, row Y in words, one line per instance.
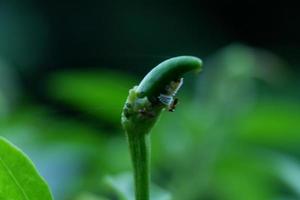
column 19, row 180
column 288, row 170
column 99, row 93
column 273, row 123
column 89, row 196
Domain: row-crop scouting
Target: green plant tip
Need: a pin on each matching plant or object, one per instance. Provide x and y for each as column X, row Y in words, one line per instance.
column 142, row 109
column 156, row 92
column 169, row 70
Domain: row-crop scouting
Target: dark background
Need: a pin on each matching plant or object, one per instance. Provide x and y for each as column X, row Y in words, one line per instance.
column 124, row 33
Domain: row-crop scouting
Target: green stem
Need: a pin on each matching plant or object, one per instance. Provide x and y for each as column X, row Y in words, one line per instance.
column 143, row 108
column 139, row 146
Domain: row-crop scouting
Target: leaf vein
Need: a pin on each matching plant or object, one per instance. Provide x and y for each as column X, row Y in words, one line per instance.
column 14, row 179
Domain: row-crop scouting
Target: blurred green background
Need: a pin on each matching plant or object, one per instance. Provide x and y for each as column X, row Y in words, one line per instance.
column 65, row 72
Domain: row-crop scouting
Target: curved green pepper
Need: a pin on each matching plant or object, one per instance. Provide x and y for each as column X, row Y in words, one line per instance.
column 167, row 71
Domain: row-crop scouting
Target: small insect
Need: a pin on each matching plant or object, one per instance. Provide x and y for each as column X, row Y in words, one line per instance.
column 169, row 98
column 173, row 105
column 174, row 86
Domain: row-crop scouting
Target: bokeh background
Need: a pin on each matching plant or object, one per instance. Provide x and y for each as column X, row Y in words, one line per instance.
column 65, row 71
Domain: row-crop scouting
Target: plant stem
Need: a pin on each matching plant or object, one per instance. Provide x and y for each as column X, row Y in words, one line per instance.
column 143, row 108
column 139, row 145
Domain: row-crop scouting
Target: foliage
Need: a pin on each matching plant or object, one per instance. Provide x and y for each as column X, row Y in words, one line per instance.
column 18, row 176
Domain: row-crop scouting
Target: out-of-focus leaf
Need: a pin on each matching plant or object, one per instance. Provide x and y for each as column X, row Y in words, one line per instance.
column 272, row 123
column 288, row 170
column 241, row 174
column 62, row 149
column 286, row 198
column 18, row 176
column 99, row 93
column 123, row 186
column 88, row 196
